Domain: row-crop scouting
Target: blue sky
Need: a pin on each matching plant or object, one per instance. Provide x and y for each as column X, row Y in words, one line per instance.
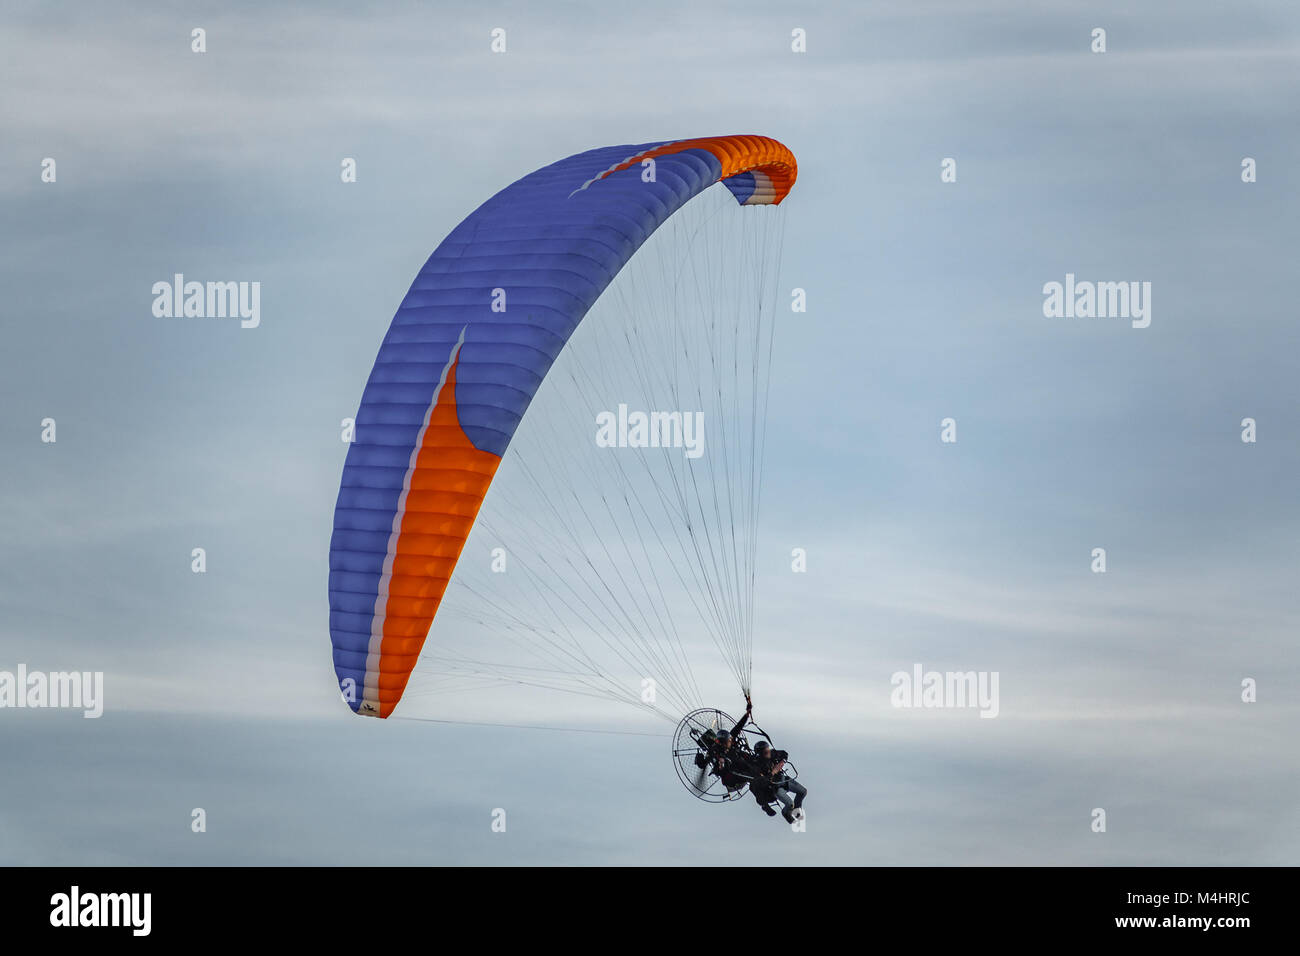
column 1118, row 691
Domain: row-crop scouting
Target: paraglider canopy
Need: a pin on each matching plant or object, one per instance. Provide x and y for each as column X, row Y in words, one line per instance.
column 471, row 343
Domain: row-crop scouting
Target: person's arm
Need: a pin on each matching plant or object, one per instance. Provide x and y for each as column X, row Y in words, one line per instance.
column 744, row 718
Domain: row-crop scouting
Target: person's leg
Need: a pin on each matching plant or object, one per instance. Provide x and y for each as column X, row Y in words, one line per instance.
column 799, row 791
column 784, row 797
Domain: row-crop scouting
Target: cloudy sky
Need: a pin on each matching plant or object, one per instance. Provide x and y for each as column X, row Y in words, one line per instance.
column 1119, row 691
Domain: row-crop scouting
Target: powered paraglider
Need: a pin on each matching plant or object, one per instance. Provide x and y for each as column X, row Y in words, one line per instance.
column 625, row 553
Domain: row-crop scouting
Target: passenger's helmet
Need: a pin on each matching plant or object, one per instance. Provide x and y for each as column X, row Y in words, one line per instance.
column 761, row 747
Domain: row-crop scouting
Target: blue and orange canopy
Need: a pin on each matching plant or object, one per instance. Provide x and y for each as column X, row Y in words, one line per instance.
column 479, row 329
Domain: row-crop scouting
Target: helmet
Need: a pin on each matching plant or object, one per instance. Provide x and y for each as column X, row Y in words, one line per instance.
column 724, row 736
column 761, row 747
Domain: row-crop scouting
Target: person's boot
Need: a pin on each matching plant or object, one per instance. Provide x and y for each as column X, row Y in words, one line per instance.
column 769, row 811
column 789, row 816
